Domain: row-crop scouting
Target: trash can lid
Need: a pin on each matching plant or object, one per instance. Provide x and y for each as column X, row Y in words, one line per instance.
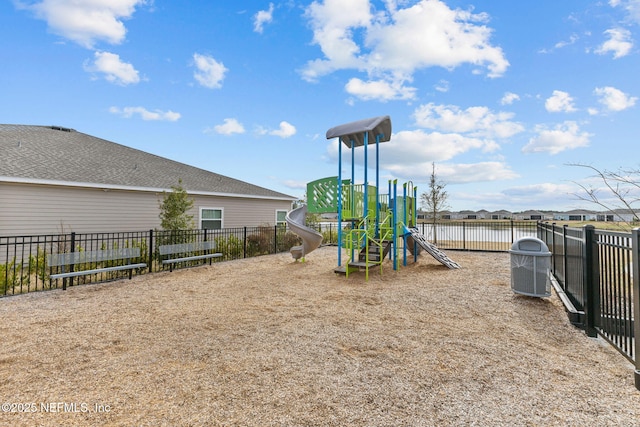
column 530, row 246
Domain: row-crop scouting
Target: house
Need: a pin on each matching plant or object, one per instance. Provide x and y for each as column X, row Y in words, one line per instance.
column 532, row 215
column 575, row 215
column 54, row 179
column 467, row 214
column 624, row 215
column 444, row 215
column 501, row 214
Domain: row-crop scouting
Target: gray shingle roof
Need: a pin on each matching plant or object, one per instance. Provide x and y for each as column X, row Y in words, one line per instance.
column 49, row 153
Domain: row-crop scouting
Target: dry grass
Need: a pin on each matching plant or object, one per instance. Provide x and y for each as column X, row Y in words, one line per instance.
column 270, row 342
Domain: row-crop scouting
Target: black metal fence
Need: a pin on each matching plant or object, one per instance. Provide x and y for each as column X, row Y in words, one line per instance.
column 598, row 277
column 486, row 236
column 24, row 265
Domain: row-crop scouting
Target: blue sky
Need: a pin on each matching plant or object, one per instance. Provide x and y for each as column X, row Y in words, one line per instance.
column 502, row 95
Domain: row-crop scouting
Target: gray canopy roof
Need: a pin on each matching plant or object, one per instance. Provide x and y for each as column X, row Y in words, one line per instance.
column 355, row 131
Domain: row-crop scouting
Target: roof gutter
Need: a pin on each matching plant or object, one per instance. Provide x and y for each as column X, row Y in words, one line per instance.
column 32, row 181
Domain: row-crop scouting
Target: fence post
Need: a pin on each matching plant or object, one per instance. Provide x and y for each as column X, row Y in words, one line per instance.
column 565, row 262
column 275, row 239
column 553, row 245
column 464, row 239
column 591, row 280
column 244, row 243
column 71, row 267
column 635, row 260
column 512, row 237
column 150, row 263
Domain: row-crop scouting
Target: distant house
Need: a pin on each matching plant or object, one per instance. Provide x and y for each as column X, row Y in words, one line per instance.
column 444, row 215
column 54, row 179
column 467, row 214
column 576, row 215
column 626, row 215
column 533, row 216
column 502, row 214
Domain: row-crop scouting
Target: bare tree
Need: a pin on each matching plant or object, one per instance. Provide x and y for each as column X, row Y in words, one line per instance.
column 623, row 185
column 434, row 201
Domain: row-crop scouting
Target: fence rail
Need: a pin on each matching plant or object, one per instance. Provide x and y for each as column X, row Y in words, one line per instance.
column 24, row 267
column 486, row 236
column 598, row 271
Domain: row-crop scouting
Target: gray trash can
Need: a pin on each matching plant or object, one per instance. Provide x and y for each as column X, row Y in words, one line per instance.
column 530, row 265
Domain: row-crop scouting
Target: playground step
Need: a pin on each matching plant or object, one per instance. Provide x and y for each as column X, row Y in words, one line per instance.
column 343, row 269
column 374, row 252
column 362, row 264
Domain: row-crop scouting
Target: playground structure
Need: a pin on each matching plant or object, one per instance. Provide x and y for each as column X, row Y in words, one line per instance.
column 372, row 225
column 311, row 239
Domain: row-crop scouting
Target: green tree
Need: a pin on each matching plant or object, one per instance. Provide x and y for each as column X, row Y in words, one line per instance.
column 434, row 201
column 174, row 209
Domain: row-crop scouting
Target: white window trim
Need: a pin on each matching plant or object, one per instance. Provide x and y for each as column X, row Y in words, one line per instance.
column 211, row 208
column 285, row 214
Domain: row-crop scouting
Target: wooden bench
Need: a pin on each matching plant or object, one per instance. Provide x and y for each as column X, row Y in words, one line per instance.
column 187, row 251
column 87, row 257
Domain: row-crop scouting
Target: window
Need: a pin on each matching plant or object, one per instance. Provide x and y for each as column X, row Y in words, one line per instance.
column 211, row 218
column 280, row 217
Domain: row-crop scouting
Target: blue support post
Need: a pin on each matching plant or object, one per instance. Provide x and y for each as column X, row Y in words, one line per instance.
column 339, row 195
column 415, row 222
column 378, row 185
column 395, row 222
column 404, row 221
column 365, row 209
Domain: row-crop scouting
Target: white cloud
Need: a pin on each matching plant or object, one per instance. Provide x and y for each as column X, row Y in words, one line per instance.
column 565, row 136
column 409, row 155
column 509, row 98
column 476, row 121
column 410, row 150
column 614, row 99
column 128, row 112
column 286, row 130
column 632, row 7
column 229, row 127
column 428, row 34
column 462, row 173
column 619, row 43
column 520, row 198
column 86, row 21
column 296, row 185
column 454, row 173
column 380, row 89
column 113, row 68
column 442, row 86
column 333, row 22
column 574, row 38
column 550, row 194
column 209, row 72
column 261, row 18
column 559, row 102
column 391, row 45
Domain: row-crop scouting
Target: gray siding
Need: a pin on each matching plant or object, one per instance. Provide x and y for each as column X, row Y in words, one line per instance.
column 27, row 209
column 240, row 212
